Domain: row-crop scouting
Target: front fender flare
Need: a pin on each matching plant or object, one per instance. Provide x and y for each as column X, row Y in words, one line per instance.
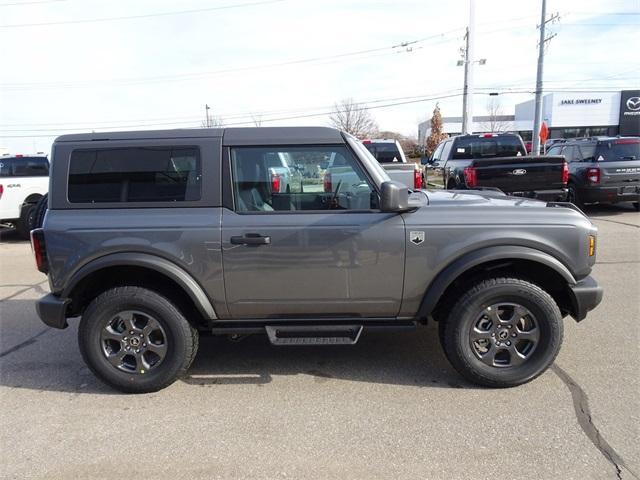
column 472, row 259
column 159, row 264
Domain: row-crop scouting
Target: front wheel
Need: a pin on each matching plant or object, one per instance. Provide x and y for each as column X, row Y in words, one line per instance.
column 136, row 340
column 503, row 332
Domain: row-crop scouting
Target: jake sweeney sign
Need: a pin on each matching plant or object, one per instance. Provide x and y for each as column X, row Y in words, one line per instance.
column 580, row 101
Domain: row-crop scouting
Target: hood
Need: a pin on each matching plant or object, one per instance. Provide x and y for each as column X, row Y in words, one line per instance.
column 478, row 198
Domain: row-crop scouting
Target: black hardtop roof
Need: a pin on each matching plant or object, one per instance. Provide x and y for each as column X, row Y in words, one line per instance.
column 230, row 136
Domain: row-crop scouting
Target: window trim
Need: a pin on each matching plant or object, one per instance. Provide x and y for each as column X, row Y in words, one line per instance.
column 228, row 187
column 134, row 204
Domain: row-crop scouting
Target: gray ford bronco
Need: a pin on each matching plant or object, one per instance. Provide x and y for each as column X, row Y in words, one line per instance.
column 156, row 237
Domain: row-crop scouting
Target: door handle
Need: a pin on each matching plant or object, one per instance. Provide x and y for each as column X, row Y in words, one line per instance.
column 251, row 239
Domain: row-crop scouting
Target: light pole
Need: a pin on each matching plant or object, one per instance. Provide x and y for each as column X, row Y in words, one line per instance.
column 467, row 61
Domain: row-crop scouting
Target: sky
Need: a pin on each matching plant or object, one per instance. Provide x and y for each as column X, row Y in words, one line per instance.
column 104, row 65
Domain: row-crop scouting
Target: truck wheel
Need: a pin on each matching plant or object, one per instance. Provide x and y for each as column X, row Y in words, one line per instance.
column 27, row 213
column 40, row 210
column 136, row 340
column 503, row 332
column 572, row 196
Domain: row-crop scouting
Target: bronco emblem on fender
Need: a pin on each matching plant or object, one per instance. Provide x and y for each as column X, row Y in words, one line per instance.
column 416, row 237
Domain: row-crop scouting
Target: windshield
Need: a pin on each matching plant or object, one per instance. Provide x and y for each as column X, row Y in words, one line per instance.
column 618, row 150
column 379, row 174
column 467, row 148
column 384, row 152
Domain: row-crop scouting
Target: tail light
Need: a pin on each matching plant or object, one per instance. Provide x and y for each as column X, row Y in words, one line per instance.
column 39, row 250
column 327, row 182
column 276, row 182
column 1, row 190
column 365, row 142
column 565, row 173
column 470, row 177
column 417, row 179
column 593, row 175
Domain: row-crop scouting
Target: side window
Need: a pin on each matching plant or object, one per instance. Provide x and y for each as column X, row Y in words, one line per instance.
column 569, row 153
column 588, row 153
column 446, row 149
column 557, row 150
column 134, row 174
column 6, row 167
column 438, row 152
column 306, row 178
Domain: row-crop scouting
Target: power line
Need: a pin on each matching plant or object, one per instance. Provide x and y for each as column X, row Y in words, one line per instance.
column 17, row 4
column 137, row 17
column 407, row 46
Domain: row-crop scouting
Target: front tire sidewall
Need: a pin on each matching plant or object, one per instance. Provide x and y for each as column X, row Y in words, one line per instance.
column 109, row 304
column 460, row 350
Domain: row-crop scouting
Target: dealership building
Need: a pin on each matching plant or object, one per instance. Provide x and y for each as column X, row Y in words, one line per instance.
column 567, row 115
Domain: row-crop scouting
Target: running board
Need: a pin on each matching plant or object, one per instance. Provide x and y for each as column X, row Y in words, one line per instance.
column 292, row 335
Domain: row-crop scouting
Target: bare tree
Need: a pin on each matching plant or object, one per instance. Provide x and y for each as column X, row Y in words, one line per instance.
column 495, row 123
column 353, row 118
column 214, row 121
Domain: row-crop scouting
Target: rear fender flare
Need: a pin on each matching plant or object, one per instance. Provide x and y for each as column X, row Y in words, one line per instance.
column 159, row 264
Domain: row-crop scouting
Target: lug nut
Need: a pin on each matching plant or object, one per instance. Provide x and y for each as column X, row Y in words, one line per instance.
column 138, row 351
column 508, row 344
column 142, row 335
column 144, row 344
column 498, row 344
column 126, row 338
column 493, row 335
column 131, row 332
column 508, row 326
column 513, row 335
column 128, row 348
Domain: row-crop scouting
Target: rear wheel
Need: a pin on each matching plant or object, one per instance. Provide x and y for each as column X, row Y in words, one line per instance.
column 40, row 210
column 572, row 196
column 503, row 332
column 136, row 340
column 27, row 214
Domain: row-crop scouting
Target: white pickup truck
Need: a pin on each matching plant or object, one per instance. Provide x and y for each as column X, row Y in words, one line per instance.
column 24, row 179
column 389, row 154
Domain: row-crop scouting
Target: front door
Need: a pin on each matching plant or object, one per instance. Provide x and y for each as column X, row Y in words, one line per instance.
column 320, row 247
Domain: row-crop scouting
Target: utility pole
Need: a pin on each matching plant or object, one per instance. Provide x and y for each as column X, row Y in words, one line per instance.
column 468, row 61
column 467, row 109
column 537, row 117
column 206, row 113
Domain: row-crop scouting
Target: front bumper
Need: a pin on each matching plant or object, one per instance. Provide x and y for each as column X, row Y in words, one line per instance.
column 585, row 296
column 52, row 310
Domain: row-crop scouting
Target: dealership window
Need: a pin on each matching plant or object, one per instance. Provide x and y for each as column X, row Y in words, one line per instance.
column 267, row 179
column 134, row 174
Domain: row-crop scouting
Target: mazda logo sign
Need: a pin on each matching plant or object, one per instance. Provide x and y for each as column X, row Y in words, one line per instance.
column 633, row 103
column 519, row 171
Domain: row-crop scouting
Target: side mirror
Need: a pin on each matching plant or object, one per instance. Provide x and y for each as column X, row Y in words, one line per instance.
column 395, row 197
column 324, row 165
column 425, row 160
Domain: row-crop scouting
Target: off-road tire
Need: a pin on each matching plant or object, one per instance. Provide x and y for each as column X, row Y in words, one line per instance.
column 41, row 209
column 456, row 335
column 23, row 227
column 573, row 197
column 182, row 339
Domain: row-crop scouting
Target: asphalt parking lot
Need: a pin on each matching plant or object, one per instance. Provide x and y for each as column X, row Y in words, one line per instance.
column 389, row 407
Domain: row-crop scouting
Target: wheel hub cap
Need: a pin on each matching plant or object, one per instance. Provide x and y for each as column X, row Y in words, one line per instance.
column 133, row 342
column 504, row 335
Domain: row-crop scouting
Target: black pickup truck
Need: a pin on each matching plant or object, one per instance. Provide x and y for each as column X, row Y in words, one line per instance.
column 499, row 160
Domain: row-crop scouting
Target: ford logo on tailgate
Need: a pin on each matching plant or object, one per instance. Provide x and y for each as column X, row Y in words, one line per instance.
column 519, row 171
